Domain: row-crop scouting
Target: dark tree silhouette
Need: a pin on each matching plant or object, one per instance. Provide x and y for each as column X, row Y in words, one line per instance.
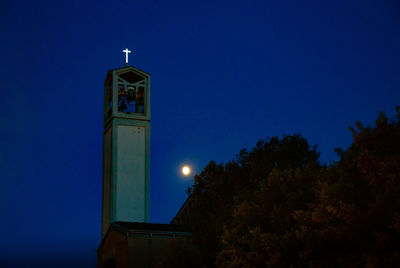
column 219, row 191
column 277, row 206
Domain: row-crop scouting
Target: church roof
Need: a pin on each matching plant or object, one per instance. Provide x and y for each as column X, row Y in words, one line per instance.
column 148, row 229
column 144, row 226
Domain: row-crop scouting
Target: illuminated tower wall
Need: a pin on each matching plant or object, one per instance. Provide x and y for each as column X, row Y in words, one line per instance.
column 126, row 147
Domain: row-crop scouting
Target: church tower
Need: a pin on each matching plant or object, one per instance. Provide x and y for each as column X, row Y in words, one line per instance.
column 126, row 147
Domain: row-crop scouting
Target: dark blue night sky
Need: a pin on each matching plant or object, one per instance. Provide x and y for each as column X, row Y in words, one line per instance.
column 224, row 74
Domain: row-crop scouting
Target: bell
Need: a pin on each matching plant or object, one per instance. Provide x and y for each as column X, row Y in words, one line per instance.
column 123, row 106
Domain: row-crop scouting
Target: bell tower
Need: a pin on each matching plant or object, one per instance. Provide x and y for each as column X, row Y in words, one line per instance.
column 126, row 147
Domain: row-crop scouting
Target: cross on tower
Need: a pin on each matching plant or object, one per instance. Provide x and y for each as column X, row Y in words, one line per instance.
column 126, row 55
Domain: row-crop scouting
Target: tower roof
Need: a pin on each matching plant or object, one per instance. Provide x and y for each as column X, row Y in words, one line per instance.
column 123, row 70
column 144, row 226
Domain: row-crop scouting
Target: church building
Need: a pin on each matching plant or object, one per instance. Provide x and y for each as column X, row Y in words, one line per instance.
column 128, row 239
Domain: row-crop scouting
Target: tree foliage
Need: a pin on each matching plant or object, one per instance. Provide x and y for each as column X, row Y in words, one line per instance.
column 223, row 194
column 277, row 206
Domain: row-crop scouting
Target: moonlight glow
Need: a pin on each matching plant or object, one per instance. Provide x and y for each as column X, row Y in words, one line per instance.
column 186, row 170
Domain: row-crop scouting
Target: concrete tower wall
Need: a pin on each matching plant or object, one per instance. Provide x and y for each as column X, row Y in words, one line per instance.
column 130, row 179
column 126, row 148
column 107, row 167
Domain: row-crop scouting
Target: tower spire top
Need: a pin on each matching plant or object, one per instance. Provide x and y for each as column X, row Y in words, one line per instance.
column 126, row 51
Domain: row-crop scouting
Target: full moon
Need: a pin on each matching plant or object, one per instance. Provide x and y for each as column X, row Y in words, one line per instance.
column 185, row 170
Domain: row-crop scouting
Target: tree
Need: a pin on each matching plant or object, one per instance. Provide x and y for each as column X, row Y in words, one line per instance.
column 277, row 206
column 356, row 211
column 219, row 190
column 346, row 215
